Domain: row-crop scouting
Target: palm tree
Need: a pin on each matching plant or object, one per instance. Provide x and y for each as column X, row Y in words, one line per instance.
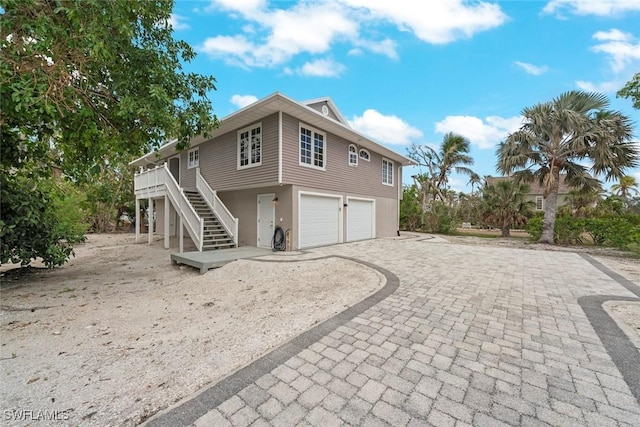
column 474, row 181
column 453, row 155
column 556, row 136
column 626, row 187
column 504, row 205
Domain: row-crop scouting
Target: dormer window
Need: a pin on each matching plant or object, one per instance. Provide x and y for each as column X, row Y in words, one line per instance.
column 353, row 155
column 364, row 155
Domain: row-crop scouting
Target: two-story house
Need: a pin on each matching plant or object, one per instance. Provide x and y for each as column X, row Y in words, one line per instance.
column 276, row 162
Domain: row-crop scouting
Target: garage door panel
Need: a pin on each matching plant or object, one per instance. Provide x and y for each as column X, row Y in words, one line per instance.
column 319, row 220
column 360, row 220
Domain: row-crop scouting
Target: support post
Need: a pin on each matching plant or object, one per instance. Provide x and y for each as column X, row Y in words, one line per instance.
column 137, row 219
column 150, row 211
column 166, row 221
column 181, row 237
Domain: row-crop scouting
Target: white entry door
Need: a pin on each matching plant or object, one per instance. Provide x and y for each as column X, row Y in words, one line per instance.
column 266, row 219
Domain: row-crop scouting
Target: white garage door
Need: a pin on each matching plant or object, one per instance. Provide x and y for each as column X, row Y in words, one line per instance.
column 319, row 220
column 360, row 214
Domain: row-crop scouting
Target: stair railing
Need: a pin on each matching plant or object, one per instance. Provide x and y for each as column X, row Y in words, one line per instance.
column 209, row 195
column 194, row 223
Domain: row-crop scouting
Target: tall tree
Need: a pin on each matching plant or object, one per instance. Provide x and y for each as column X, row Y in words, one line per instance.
column 557, row 136
column 95, row 80
column 632, row 90
column 452, row 155
column 504, row 205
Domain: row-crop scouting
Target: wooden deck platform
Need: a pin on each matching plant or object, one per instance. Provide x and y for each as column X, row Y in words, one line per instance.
column 213, row 259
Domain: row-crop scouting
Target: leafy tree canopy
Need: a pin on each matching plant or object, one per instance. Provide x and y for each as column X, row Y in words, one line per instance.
column 85, row 85
column 95, row 77
column 632, row 90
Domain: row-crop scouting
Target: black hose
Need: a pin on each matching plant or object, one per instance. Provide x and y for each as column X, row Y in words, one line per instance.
column 278, row 242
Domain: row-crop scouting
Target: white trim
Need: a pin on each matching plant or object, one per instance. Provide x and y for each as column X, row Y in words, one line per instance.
column 356, row 153
column 368, row 159
column 373, row 218
column 280, row 147
column 196, row 163
column 340, row 220
column 273, row 213
column 249, row 129
column 324, row 147
column 392, row 168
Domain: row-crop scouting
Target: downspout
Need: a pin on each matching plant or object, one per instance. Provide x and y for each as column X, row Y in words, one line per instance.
column 280, row 147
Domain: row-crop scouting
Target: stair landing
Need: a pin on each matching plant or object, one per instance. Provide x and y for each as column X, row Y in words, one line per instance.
column 213, row 259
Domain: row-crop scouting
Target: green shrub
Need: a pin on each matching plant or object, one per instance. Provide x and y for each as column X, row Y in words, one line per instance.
column 619, row 232
column 568, row 230
column 534, row 227
column 438, row 219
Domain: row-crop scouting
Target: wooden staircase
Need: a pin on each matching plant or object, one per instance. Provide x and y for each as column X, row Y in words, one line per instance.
column 215, row 235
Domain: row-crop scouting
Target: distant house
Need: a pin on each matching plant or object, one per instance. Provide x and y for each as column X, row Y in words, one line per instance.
column 535, row 193
column 276, row 162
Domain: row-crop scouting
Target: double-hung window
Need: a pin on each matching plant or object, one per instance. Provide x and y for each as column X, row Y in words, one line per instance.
column 312, row 147
column 387, row 172
column 353, row 155
column 193, row 160
column 250, row 146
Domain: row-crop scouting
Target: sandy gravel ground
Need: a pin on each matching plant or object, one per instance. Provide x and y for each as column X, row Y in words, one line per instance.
column 120, row 333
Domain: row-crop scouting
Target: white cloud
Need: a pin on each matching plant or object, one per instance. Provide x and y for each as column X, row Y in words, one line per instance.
column 242, row 101
column 436, row 22
column 322, row 68
column 622, row 48
column 386, row 47
column 605, row 87
column 245, row 7
column 274, row 35
column 385, row 129
column 287, row 34
column 484, row 134
column 613, row 35
column 593, row 7
column 177, row 22
column 532, row 69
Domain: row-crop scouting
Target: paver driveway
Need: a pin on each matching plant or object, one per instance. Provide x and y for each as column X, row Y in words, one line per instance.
column 461, row 335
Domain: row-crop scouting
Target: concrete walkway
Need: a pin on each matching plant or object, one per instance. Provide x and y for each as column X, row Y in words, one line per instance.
column 460, row 335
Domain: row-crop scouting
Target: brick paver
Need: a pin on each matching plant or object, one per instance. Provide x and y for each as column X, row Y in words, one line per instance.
column 473, row 335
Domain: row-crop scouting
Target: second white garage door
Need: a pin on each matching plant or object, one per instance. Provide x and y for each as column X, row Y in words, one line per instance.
column 319, row 220
column 360, row 219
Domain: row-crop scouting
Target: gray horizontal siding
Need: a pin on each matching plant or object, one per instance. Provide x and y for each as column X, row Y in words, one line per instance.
column 219, row 160
column 365, row 179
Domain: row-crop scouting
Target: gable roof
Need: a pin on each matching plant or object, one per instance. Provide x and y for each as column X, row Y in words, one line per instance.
column 327, row 101
column 272, row 104
column 534, row 186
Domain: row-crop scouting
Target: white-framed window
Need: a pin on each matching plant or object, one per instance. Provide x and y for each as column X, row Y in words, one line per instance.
column 387, row 172
column 539, row 203
column 250, row 146
column 364, row 155
column 312, row 147
column 353, row 155
column 193, row 159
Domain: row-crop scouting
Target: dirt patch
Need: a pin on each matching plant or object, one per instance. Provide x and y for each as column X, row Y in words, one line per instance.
column 120, row 333
column 627, row 315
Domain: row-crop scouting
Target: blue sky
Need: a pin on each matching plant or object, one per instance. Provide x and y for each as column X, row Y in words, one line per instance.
column 408, row 71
